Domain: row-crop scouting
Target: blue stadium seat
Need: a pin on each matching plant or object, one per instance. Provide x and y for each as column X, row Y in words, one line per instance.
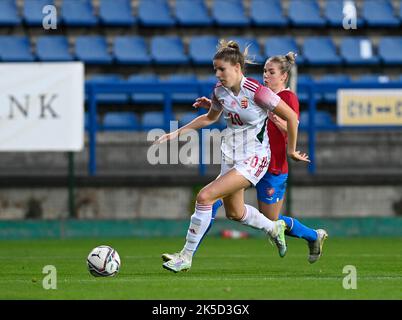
column 182, row 97
column 53, row 48
column 145, row 98
column 334, row 13
column 267, row 13
column 229, row 13
column 321, row 51
column 153, row 119
column 322, row 120
column 120, row 121
column 78, row 13
column 131, row 50
column 9, row 13
column 305, row 13
column 92, row 50
column 281, row 45
column 338, row 79
column 15, row 49
column 190, row 13
column 168, row 50
column 109, row 98
column 208, row 84
column 379, row 14
column 32, row 11
column 202, row 49
column 116, row 13
column 390, row 50
column 155, row 13
column 254, row 49
column 358, row 51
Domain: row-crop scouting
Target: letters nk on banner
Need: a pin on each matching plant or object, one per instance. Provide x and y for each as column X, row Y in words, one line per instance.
column 41, row 106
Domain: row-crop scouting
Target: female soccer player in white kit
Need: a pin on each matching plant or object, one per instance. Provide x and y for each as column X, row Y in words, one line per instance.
column 245, row 151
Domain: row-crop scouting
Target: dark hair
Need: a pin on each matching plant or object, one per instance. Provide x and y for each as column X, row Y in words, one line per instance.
column 229, row 51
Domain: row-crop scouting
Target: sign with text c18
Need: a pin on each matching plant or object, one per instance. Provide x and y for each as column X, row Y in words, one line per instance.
column 42, row 106
column 369, row 107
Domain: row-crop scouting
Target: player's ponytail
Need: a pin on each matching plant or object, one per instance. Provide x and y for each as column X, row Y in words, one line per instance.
column 230, row 51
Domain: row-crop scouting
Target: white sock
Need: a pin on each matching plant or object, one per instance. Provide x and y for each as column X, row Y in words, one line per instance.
column 255, row 219
column 199, row 223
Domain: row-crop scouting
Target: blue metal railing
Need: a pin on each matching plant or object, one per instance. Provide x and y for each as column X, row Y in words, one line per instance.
column 204, row 89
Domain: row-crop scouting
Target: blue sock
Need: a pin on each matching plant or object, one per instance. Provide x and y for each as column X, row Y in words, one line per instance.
column 215, row 208
column 298, row 230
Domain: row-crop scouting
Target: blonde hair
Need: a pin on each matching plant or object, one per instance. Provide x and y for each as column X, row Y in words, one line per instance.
column 286, row 63
column 229, row 51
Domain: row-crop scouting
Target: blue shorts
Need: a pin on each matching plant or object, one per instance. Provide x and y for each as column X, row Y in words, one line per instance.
column 271, row 188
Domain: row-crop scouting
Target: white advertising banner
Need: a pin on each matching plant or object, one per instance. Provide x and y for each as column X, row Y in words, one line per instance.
column 41, row 106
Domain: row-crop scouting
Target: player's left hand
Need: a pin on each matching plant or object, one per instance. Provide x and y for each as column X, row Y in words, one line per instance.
column 298, row 156
column 202, row 102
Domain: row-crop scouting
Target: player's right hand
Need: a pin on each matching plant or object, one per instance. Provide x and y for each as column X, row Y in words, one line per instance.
column 202, row 102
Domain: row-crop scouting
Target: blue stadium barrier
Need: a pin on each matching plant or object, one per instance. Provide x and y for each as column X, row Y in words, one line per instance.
column 109, row 98
column 93, row 89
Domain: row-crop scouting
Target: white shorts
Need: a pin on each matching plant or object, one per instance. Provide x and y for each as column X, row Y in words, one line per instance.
column 252, row 168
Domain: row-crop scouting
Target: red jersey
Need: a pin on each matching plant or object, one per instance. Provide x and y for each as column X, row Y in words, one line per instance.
column 278, row 139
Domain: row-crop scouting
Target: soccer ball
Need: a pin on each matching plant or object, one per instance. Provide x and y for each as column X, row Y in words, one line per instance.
column 103, row 261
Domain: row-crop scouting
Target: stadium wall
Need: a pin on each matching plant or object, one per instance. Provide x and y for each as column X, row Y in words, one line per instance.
column 178, row 202
column 144, row 228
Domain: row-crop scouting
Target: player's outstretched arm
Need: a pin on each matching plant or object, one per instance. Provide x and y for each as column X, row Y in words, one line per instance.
column 198, row 123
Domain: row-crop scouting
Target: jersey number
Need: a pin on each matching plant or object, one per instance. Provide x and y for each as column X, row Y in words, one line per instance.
column 235, row 119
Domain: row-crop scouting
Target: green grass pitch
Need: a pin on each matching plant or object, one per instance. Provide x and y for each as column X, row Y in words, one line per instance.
column 222, row 269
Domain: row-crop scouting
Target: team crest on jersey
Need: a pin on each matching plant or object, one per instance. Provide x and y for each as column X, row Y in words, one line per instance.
column 244, row 103
column 270, row 191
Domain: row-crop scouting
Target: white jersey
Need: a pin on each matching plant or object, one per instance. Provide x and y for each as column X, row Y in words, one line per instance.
column 246, row 116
